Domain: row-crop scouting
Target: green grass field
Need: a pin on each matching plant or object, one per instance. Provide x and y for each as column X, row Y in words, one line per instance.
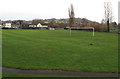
column 56, row 49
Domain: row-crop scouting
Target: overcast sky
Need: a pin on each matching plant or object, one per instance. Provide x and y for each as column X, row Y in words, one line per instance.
column 44, row 9
column 119, row 13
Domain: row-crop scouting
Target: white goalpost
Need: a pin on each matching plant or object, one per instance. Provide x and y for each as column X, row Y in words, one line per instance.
column 78, row 28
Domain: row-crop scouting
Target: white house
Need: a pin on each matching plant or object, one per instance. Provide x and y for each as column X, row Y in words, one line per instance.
column 0, row 26
column 8, row 25
column 42, row 26
column 38, row 26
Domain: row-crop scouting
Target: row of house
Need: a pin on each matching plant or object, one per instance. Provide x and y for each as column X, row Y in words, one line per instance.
column 15, row 26
column 38, row 25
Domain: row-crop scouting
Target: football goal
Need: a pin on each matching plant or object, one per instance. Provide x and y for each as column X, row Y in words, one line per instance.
column 79, row 28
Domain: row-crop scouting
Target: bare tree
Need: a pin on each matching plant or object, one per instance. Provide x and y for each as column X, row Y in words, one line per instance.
column 108, row 14
column 119, row 17
column 71, row 16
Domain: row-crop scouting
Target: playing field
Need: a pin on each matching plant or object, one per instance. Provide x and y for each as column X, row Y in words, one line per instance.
column 56, row 49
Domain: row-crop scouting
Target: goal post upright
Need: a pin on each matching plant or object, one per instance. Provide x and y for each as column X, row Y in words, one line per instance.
column 93, row 32
column 70, row 31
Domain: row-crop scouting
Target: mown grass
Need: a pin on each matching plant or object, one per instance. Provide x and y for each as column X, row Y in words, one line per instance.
column 0, row 52
column 28, row 75
column 56, row 49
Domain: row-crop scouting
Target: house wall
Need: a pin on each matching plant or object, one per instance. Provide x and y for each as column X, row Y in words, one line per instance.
column 8, row 25
column 32, row 25
column 0, row 26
